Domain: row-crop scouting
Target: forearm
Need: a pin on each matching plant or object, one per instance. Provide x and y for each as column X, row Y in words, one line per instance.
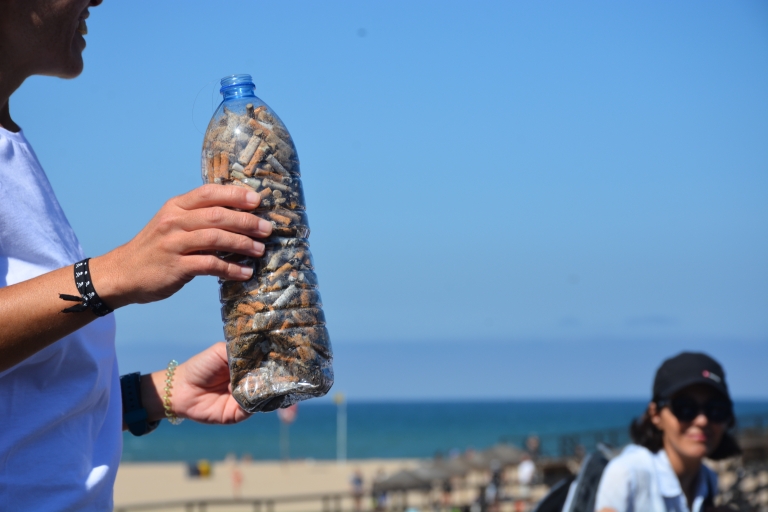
column 32, row 318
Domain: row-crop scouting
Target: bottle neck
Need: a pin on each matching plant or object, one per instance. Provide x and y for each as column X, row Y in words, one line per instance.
column 238, row 91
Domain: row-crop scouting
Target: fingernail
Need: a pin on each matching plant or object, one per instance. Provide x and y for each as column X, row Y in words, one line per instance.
column 252, row 198
column 246, row 271
column 258, row 248
column 265, row 226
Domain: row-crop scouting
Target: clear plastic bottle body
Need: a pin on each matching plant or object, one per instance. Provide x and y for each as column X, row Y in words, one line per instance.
column 278, row 346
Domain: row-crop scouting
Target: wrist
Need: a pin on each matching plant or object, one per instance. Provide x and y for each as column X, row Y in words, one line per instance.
column 135, row 415
column 152, row 386
column 105, row 276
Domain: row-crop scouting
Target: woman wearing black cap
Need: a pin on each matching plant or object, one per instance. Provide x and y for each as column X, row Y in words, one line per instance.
column 688, row 419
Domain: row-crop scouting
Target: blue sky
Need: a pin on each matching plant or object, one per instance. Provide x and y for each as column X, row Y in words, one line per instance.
column 530, row 176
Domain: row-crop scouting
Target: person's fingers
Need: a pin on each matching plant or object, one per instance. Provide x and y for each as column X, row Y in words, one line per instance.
column 218, row 240
column 208, row 265
column 220, row 349
column 218, row 195
column 237, row 413
column 222, row 218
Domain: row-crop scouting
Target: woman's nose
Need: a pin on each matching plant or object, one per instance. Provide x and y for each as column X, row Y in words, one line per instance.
column 700, row 420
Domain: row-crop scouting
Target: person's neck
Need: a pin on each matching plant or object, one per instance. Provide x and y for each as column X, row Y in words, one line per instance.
column 686, row 469
column 9, row 82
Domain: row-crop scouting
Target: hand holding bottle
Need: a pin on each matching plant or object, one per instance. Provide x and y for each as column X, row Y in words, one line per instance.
column 180, row 243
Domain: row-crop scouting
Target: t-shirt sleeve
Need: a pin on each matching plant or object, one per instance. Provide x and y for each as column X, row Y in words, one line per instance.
column 615, row 488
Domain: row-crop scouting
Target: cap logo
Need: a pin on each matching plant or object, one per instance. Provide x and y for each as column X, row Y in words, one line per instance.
column 709, row 375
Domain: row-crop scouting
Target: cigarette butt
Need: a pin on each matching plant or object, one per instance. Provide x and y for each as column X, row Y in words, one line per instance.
column 249, row 110
column 280, row 148
column 306, row 353
column 238, row 183
column 260, row 172
column 265, row 116
column 286, row 297
column 288, row 213
column 245, row 309
column 223, row 171
column 275, row 260
column 257, row 156
column 280, row 219
column 280, row 271
column 236, row 167
column 297, row 258
column 255, row 127
column 283, row 153
column 249, row 150
column 226, row 147
column 277, row 166
column 264, row 193
column 306, row 298
column 254, row 184
column 276, row 185
column 266, row 320
column 209, row 172
column 216, row 166
column 237, row 327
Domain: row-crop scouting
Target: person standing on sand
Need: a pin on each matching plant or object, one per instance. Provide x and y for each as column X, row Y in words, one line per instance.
column 358, row 489
column 62, row 405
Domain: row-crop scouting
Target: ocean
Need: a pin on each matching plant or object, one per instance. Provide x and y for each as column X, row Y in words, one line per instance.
column 393, row 429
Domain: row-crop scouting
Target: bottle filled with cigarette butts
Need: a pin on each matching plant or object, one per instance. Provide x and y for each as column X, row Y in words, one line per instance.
column 277, row 343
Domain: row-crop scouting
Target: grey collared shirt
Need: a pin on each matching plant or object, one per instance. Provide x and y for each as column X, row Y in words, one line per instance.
column 641, row 481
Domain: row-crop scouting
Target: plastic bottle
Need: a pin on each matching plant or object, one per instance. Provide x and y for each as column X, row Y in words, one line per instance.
column 277, row 343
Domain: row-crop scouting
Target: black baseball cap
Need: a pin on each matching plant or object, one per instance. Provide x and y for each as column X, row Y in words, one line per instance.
column 687, row 369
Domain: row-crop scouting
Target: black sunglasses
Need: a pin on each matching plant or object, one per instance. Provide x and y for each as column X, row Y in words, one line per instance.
column 686, row 409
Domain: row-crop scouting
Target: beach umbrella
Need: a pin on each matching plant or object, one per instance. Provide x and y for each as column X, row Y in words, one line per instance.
column 404, row 480
column 478, row 461
column 506, row 454
column 499, row 455
column 431, row 473
column 452, row 467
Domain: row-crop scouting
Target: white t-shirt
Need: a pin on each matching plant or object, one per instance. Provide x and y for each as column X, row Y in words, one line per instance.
column 639, row 480
column 60, row 410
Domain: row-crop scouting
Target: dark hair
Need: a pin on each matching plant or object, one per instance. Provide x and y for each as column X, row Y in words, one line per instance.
column 642, row 431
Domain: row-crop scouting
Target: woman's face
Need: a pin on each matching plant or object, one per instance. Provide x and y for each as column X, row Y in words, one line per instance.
column 44, row 37
column 690, row 439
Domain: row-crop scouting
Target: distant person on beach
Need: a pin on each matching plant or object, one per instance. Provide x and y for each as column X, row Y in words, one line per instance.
column 526, row 470
column 687, row 419
column 358, row 489
column 63, row 405
column 533, row 446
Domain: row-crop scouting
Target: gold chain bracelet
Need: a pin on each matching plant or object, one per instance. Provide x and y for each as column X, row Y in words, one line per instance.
column 172, row 418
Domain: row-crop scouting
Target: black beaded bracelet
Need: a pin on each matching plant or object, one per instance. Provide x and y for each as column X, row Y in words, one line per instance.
column 90, row 299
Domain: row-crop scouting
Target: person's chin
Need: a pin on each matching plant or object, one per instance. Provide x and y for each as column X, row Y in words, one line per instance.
column 73, row 65
column 697, row 450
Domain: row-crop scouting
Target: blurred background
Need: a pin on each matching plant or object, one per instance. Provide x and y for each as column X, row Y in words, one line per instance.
column 518, row 209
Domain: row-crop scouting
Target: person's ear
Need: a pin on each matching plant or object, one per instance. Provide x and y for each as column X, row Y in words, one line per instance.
column 653, row 414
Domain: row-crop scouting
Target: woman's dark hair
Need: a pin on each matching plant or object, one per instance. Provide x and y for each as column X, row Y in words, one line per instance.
column 642, row 431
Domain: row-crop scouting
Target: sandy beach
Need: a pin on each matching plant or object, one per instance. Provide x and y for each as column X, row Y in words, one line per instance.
column 139, row 483
column 145, row 483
